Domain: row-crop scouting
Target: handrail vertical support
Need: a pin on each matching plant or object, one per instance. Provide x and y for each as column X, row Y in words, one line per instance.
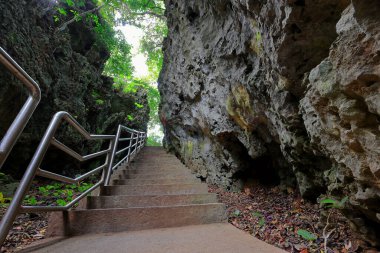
column 108, row 161
column 129, row 149
column 15, row 205
column 112, row 158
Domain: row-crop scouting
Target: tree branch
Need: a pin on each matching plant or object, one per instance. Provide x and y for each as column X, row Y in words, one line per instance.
column 326, row 234
column 151, row 13
column 64, row 25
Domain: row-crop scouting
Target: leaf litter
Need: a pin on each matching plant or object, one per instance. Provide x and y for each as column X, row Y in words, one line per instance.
column 287, row 221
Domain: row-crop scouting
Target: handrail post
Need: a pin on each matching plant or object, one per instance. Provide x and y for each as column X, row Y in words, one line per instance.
column 136, row 146
column 139, row 143
column 108, row 159
column 142, row 137
column 143, row 140
column 130, row 147
column 15, row 205
column 112, row 158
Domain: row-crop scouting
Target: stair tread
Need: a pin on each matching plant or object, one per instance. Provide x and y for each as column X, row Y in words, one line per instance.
column 136, row 218
column 155, row 185
column 154, row 191
column 158, row 182
column 148, row 207
column 153, row 195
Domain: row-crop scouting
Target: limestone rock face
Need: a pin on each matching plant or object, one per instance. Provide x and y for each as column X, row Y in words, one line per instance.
column 279, row 91
column 68, row 66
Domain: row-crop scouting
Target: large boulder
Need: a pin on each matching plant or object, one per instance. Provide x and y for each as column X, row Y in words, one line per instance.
column 285, row 92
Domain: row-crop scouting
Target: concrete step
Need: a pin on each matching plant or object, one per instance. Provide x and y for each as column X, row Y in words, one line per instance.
column 173, row 160
column 78, row 222
column 154, row 171
column 155, row 181
column 159, row 164
column 157, row 176
column 196, row 188
column 123, row 201
column 154, row 157
column 156, row 165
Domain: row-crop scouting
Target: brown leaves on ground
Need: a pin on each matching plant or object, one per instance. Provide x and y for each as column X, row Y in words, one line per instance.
column 26, row 229
column 275, row 217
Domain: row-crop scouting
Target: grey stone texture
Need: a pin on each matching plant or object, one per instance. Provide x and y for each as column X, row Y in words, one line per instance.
column 283, row 92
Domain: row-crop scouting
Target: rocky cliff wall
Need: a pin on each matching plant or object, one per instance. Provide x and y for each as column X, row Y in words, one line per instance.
column 283, row 92
column 68, row 67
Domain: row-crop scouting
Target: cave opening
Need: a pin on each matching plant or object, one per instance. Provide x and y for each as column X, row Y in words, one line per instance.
column 264, row 169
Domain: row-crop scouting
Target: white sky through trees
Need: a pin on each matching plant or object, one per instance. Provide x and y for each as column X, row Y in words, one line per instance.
column 133, row 35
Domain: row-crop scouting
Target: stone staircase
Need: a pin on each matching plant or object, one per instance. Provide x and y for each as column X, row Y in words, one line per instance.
column 154, row 191
column 154, row 206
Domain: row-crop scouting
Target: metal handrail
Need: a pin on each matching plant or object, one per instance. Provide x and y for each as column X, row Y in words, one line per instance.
column 136, row 142
column 22, row 118
column 137, row 136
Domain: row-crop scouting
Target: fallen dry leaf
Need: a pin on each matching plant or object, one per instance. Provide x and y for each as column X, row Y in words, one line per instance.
column 274, row 217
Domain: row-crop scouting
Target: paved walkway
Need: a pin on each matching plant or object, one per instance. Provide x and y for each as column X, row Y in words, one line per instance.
column 218, row 238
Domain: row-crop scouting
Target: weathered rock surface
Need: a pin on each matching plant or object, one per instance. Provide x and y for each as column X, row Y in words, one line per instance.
column 280, row 91
column 68, row 66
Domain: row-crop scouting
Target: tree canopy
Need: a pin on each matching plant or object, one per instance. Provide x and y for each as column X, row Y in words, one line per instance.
column 147, row 15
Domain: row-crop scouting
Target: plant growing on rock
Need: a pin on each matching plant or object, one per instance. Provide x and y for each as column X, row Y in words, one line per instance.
column 330, row 204
column 329, row 228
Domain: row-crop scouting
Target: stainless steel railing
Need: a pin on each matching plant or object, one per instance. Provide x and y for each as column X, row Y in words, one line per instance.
column 134, row 140
column 19, row 123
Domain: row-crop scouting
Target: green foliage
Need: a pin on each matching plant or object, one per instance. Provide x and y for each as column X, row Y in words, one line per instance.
column 154, row 141
column 62, row 11
column 153, row 96
column 31, row 200
column 119, row 65
column 84, row 187
column 149, row 16
column 306, row 235
column 59, row 193
column 99, row 102
column 236, row 213
column 133, row 12
column 260, row 216
column 332, row 203
column 4, row 200
column 43, row 190
column 61, row 202
column 104, row 17
column 151, row 47
column 70, row 2
column 258, row 36
column 138, row 105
